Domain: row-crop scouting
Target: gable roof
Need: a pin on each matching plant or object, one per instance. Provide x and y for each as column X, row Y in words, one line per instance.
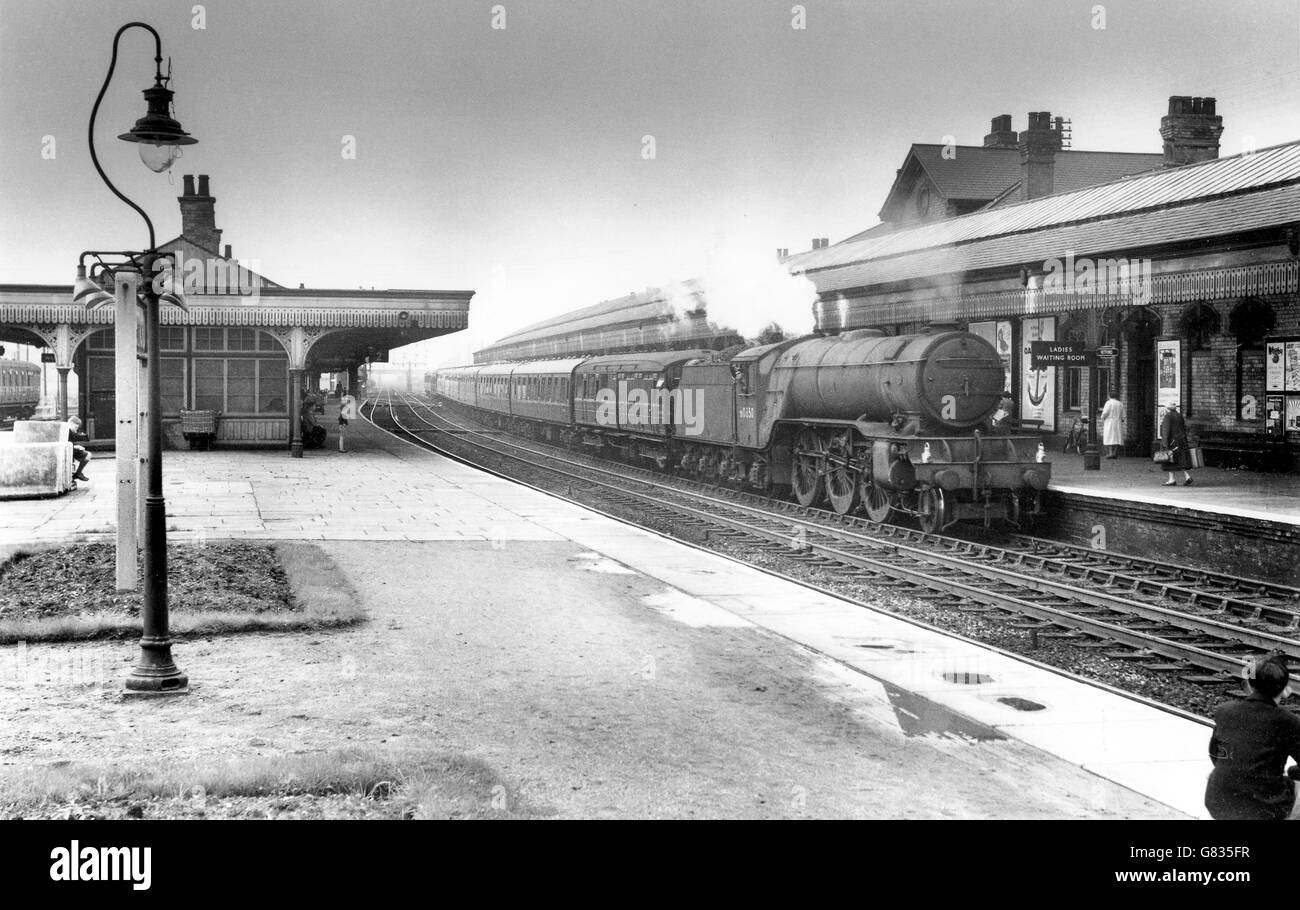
column 985, row 174
column 186, row 246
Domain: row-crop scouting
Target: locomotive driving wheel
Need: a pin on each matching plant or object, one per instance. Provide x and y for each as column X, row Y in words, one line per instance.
column 842, row 476
column 879, row 502
column 806, row 478
column 932, row 511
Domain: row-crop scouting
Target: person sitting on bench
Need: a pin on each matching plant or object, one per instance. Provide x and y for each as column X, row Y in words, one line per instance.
column 79, row 453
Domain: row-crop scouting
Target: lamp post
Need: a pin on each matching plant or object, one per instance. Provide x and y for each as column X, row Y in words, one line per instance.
column 159, row 138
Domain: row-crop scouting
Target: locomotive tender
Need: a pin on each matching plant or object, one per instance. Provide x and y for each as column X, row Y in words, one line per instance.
column 20, row 389
column 896, row 425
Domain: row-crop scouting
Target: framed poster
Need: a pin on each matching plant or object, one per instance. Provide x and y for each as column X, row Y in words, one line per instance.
column 1293, row 366
column 1274, row 368
column 1273, row 406
column 1037, row 387
column 1168, row 372
column 1293, row 415
column 997, row 334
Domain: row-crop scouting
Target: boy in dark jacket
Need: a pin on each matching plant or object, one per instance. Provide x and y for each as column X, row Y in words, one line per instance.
column 79, row 453
column 1251, row 742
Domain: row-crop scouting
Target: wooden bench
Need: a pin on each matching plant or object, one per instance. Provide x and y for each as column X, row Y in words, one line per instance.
column 1254, row 451
column 35, row 460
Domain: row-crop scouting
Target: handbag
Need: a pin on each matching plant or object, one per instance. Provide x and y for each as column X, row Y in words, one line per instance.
column 1162, row 456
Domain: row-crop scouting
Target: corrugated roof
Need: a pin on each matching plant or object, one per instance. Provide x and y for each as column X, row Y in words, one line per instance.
column 1192, row 221
column 1148, row 192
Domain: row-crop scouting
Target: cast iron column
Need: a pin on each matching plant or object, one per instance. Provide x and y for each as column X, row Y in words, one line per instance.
column 63, row 393
column 295, row 414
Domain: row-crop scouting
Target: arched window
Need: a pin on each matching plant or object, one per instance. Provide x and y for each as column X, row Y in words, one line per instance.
column 1250, row 322
column 1199, row 323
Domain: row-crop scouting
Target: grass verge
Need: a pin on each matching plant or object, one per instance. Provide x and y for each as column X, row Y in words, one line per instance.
column 338, row 784
column 68, row 593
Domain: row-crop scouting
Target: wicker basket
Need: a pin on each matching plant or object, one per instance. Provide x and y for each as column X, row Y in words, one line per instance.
column 199, row 422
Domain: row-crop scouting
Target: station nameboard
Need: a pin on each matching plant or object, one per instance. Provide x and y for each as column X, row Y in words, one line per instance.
column 1044, row 354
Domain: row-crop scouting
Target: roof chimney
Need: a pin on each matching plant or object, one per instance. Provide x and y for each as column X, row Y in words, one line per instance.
column 1038, row 147
column 1190, row 130
column 228, row 256
column 782, row 253
column 198, row 215
column 1002, row 136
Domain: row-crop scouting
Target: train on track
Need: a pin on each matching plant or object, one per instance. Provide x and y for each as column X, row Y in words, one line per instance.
column 896, row 425
column 20, row 389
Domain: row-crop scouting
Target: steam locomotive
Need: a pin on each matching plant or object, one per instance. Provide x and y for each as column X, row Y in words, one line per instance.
column 894, row 425
column 20, row 389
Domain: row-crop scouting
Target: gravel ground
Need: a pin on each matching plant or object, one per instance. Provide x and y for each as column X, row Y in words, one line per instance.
column 992, row 628
column 79, row 579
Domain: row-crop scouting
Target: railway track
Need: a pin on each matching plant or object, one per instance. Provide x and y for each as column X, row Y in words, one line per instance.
column 1202, row 626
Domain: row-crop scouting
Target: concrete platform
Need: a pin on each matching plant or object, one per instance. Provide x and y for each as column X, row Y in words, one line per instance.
column 1241, row 522
column 921, row 683
column 1246, row 494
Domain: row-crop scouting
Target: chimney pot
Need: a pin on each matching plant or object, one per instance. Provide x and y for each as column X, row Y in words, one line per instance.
column 228, row 256
column 826, row 241
column 1190, row 130
column 203, row 185
column 189, row 184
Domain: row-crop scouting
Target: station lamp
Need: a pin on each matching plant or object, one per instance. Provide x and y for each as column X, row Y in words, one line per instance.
column 160, row 139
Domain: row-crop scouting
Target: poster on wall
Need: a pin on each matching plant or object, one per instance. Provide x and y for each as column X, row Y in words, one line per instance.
column 1293, row 366
column 1274, row 367
column 997, row 334
column 1273, row 414
column 1293, row 415
column 1168, row 373
column 1038, row 387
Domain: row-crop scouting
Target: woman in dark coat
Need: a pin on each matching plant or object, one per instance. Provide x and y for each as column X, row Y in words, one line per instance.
column 1173, row 436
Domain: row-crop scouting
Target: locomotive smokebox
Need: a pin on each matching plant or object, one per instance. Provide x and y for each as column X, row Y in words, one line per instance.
column 950, row 380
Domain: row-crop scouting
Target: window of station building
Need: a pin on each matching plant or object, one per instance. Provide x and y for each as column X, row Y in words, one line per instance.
column 101, row 341
column 172, row 377
column 171, row 337
column 242, row 385
column 211, row 338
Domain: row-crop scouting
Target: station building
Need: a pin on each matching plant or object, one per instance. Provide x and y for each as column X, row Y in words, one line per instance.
column 1183, row 277
column 246, row 347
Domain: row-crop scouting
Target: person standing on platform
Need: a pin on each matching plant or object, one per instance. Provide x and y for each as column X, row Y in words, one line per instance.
column 1112, row 426
column 1173, row 436
column 1249, row 747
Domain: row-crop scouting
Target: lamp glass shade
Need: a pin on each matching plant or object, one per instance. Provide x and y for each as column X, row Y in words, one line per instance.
column 157, row 157
column 87, row 293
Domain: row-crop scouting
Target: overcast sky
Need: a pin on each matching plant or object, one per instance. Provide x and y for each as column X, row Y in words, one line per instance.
column 510, row 161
